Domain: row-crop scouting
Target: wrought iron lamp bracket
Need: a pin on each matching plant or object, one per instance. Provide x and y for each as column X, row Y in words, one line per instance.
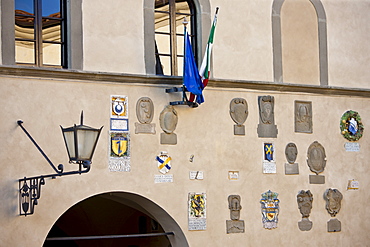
column 30, row 188
column 185, row 100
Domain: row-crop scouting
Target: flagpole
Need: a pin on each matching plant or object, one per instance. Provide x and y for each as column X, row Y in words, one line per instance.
column 185, row 22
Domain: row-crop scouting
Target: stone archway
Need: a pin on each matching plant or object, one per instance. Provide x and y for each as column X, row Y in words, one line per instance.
column 116, row 219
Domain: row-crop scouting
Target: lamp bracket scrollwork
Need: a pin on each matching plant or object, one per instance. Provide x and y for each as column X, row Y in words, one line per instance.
column 30, row 188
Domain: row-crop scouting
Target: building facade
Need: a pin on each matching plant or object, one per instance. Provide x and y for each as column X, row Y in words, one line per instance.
column 282, row 71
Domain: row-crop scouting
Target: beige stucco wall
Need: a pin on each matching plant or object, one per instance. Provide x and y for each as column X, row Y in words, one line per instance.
column 348, row 55
column 114, row 25
column 205, row 132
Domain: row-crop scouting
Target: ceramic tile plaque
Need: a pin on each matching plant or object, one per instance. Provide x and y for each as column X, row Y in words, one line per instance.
column 197, row 211
column 270, row 209
column 233, row 175
column 269, row 163
column 119, row 113
column 119, row 152
column 353, row 184
column 119, row 136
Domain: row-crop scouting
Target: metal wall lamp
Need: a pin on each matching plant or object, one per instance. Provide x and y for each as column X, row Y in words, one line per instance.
column 184, row 100
column 80, row 141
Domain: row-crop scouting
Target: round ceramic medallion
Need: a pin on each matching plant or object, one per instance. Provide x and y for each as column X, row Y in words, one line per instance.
column 351, row 126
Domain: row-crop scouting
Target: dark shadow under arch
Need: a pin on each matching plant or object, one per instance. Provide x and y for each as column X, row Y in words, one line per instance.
column 117, row 214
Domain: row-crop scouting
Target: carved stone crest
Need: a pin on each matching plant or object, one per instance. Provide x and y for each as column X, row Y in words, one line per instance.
column 266, row 126
column 270, row 209
column 291, row 153
column 304, row 200
column 144, row 114
column 303, row 116
column 168, row 122
column 239, row 113
column 234, row 225
column 316, row 160
column 333, row 199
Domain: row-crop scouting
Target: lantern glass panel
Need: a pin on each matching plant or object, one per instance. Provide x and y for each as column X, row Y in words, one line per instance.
column 70, row 143
column 86, row 143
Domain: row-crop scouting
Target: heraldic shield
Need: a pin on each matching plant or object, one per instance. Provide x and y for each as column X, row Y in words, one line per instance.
column 270, row 209
column 119, row 145
column 164, row 162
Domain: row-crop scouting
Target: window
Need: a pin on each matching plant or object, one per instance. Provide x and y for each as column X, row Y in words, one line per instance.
column 40, row 28
column 169, row 34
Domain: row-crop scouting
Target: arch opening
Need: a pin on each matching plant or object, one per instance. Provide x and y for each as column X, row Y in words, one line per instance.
column 115, row 219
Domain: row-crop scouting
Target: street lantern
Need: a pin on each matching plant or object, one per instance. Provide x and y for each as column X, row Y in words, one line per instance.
column 80, row 142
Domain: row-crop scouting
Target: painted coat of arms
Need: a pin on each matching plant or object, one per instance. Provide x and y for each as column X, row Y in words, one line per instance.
column 269, row 152
column 164, row 162
column 119, row 151
column 119, row 106
column 197, row 211
column 119, row 144
column 270, row 209
column 351, row 126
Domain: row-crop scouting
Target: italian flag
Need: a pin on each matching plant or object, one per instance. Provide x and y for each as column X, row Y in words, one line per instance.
column 204, row 70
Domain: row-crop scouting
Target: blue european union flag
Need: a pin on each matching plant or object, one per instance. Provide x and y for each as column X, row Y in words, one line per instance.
column 192, row 79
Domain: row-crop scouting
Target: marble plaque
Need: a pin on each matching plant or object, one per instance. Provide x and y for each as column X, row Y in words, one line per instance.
column 169, row 139
column 305, row 224
column 317, row 179
column 269, row 167
column 239, row 130
column 352, row 147
column 144, row 128
column 291, row 169
column 334, row 225
column 234, row 226
column 168, row 178
column 196, row 175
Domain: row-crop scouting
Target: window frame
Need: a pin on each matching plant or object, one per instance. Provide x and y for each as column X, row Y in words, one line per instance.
column 38, row 36
column 203, row 22
column 74, row 34
column 173, row 35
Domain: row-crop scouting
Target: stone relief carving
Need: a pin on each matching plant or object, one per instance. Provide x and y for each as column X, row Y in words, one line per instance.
column 144, row 110
column 168, row 121
column 333, row 199
column 316, row 157
column 303, row 116
column 239, row 113
column 144, row 114
column 234, row 206
column 291, row 153
column 266, row 127
column 304, row 200
column 234, row 225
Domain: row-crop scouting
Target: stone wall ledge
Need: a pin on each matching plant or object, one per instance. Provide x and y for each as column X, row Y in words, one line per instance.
column 92, row 76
